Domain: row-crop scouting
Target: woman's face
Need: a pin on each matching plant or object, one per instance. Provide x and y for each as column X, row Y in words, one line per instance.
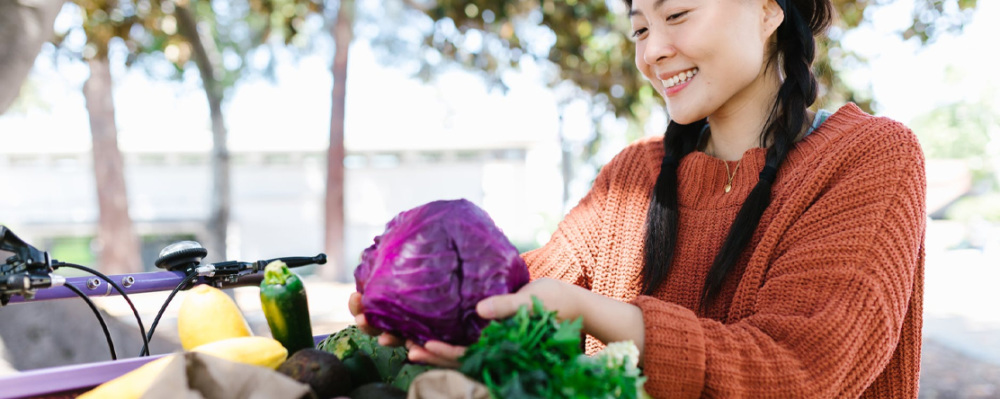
column 704, row 56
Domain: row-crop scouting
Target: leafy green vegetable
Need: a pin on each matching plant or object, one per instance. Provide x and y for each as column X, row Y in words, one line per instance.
column 533, row 355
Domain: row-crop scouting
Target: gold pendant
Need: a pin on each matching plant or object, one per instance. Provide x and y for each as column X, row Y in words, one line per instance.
column 728, row 187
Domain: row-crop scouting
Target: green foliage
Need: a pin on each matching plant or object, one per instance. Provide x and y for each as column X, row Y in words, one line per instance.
column 957, row 130
column 533, row 355
column 960, row 130
column 229, row 32
column 981, row 207
column 587, row 43
column 72, row 249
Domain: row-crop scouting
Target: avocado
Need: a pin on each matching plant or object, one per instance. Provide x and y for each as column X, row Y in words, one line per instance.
column 322, row 371
column 377, row 390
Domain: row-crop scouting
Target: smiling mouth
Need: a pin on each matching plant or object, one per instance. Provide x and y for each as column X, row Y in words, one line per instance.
column 679, row 78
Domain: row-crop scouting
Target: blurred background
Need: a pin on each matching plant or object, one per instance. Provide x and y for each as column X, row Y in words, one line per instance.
column 266, row 128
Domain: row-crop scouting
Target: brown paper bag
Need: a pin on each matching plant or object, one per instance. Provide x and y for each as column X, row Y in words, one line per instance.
column 197, row 375
column 446, row 384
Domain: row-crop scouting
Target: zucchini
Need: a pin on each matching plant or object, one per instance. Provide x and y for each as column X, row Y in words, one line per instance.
column 286, row 307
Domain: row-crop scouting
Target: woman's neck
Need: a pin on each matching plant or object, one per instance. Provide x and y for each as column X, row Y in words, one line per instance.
column 736, row 126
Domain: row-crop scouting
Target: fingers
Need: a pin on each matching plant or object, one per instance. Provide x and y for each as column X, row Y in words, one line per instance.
column 502, row 306
column 366, row 328
column 444, row 350
column 354, row 304
column 435, row 353
column 386, row 339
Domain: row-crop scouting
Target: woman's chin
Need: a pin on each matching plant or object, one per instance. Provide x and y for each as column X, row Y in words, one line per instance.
column 683, row 117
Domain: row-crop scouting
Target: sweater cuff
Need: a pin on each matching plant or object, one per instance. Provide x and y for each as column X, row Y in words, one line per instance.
column 674, row 349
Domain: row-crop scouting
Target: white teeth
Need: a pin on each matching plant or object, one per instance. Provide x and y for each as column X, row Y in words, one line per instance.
column 680, row 78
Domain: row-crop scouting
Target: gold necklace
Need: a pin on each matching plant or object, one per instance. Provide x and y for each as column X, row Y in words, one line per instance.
column 729, row 184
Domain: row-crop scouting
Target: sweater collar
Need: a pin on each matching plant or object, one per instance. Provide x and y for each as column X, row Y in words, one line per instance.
column 702, row 178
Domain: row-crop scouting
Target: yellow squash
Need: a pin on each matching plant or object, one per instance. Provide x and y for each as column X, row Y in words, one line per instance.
column 207, row 315
column 258, row 351
column 132, row 384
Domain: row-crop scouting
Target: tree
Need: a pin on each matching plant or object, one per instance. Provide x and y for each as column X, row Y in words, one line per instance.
column 117, row 242
column 193, row 32
column 24, row 25
column 591, row 47
column 342, row 31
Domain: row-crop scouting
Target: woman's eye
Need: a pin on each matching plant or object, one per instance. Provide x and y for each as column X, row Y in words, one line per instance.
column 638, row 32
column 676, row 16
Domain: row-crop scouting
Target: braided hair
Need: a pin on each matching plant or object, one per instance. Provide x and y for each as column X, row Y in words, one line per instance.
column 795, row 49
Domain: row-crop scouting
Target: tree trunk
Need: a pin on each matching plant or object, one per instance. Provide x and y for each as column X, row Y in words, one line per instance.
column 117, row 244
column 24, row 26
column 218, row 220
column 343, row 32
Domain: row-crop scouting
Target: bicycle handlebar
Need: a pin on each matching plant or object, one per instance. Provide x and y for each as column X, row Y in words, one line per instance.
column 227, row 274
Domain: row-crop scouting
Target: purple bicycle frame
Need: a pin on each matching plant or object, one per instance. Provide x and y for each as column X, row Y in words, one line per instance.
column 54, row 380
column 143, row 282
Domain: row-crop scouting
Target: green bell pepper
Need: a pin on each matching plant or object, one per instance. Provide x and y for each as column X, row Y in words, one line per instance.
column 283, row 299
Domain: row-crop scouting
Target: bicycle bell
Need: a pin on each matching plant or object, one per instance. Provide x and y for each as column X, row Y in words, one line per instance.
column 181, row 256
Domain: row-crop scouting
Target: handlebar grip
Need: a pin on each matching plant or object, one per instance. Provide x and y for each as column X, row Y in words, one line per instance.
column 296, row 261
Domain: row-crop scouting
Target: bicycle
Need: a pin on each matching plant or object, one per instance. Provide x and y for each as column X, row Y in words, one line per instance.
column 29, row 276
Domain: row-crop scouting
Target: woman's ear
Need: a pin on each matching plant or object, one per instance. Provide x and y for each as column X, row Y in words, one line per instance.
column 773, row 17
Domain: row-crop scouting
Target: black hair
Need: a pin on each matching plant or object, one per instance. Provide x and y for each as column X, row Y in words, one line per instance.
column 795, row 48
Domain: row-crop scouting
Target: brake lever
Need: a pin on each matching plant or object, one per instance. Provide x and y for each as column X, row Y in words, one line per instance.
column 26, row 257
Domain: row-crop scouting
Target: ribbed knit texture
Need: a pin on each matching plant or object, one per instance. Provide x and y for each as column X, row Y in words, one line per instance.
column 826, row 300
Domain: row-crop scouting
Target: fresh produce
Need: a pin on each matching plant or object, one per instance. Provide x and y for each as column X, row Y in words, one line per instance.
column 258, row 351
column 207, row 315
column 423, row 276
column 377, row 390
column 407, row 374
column 286, row 307
column 365, row 359
column 322, row 371
column 130, row 385
column 536, row 356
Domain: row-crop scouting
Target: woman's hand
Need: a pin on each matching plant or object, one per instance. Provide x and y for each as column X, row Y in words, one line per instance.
column 435, row 353
column 358, row 310
column 606, row 319
column 554, row 294
column 551, row 292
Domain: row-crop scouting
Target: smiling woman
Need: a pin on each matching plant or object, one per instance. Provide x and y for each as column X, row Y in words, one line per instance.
column 756, row 249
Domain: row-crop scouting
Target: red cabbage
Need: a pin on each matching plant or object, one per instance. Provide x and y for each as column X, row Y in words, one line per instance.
column 423, row 276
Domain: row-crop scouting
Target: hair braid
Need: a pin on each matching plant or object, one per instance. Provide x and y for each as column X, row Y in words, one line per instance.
column 662, row 217
column 798, row 91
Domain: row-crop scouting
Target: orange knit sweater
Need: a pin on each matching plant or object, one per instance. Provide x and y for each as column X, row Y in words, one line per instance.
column 826, row 301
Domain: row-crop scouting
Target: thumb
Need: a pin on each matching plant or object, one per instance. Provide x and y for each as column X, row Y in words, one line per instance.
column 502, row 306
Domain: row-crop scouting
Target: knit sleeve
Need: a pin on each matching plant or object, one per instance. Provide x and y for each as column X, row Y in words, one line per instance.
column 571, row 252
column 829, row 313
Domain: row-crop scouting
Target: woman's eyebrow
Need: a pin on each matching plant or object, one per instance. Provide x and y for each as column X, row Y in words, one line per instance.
column 656, row 5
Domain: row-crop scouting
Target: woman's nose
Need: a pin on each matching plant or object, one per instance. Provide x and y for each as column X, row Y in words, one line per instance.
column 658, row 48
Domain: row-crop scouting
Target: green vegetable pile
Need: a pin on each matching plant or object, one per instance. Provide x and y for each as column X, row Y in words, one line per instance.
column 533, row 355
column 369, row 362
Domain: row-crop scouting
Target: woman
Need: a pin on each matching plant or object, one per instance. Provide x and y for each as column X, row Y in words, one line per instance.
column 756, row 249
